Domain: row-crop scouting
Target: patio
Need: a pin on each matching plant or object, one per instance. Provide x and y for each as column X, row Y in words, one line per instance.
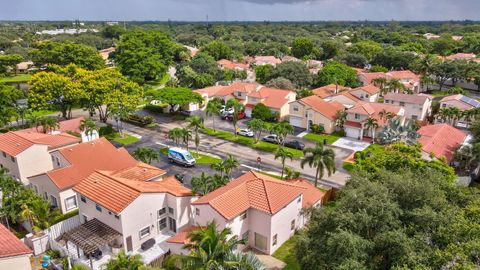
column 351, row 144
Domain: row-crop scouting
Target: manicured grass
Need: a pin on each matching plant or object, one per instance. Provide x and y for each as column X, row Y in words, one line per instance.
column 439, row 93
column 261, row 145
column 348, row 166
column 374, row 148
column 199, row 158
column 125, row 140
column 286, row 253
column 17, row 78
column 320, row 137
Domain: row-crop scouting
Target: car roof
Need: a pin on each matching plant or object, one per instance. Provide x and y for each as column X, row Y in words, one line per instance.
column 179, row 150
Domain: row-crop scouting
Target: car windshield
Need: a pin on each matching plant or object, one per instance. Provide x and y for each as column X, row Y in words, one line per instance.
column 188, row 156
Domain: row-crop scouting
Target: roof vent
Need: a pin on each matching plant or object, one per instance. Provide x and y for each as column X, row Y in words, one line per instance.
column 70, row 149
column 145, row 169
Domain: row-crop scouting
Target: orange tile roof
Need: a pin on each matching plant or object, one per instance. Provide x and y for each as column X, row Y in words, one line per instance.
column 10, row 245
column 408, row 98
column 115, row 193
column 182, row 237
column 15, row 142
column 328, row 90
column 258, row 191
column 370, row 88
column 140, row 172
column 231, row 65
column 272, row 60
column 271, row 97
column 370, row 76
column 328, row 109
column 403, row 74
column 63, row 126
column 372, row 109
column 311, row 195
column 99, row 154
column 441, row 139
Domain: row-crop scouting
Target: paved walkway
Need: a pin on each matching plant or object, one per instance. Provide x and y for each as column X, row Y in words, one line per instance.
column 352, row 144
column 302, row 134
column 271, row 262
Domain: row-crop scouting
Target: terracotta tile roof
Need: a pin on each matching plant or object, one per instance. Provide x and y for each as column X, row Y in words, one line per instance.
column 255, row 190
column 115, row 193
column 368, row 77
column 231, row 65
column 210, row 91
column 182, row 237
column 370, row 88
column 328, row 109
column 372, row 109
column 349, row 95
column 10, row 245
column 408, row 98
column 271, row 60
column 271, row 97
column 67, row 125
column 15, row 142
column 353, row 124
column 140, row 172
column 441, row 139
column 403, row 74
column 99, row 154
column 328, row 90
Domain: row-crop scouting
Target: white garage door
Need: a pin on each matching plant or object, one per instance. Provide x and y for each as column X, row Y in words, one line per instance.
column 352, row 132
column 248, row 112
column 296, row 121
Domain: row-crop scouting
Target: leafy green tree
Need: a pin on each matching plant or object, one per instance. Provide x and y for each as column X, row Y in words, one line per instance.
column 393, row 58
column 144, row 55
column 261, row 73
column 47, row 123
column 295, row 71
column 88, row 126
column 230, row 164
column 218, row 50
column 186, row 135
column 146, row 154
column 337, row 73
column 213, row 109
column 290, row 173
column 443, row 46
column 331, row 48
column 281, row 83
column 8, row 106
column 282, row 154
column 202, row 184
column 257, row 126
column 9, row 61
column 355, row 60
column 321, row 159
column 262, row 112
column 200, row 72
column 66, row 53
column 178, row 97
column 378, row 69
column 367, row 48
column 123, row 261
column 304, row 48
column 282, row 130
column 237, row 109
column 113, row 31
column 195, row 123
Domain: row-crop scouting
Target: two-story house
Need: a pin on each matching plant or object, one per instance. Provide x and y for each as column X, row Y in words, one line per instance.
column 462, row 103
column 262, row 210
column 409, row 79
column 313, row 110
column 369, row 93
column 359, row 114
column 329, row 90
column 73, row 164
column 138, row 209
column 25, row 153
column 277, row 100
column 416, row 106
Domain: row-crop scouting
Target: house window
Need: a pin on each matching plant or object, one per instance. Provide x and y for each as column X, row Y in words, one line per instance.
column 145, row 232
column 53, row 199
column 98, row 207
column 444, row 105
column 162, row 212
column 4, row 154
column 243, row 215
column 274, row 241
column 45, row 196
column 71, row 202
column 83, row 199
column 245, row 235
column 13, row 159
column 295, row 108
column 366, row 95
column 170, row 210
column 292, row 225
column 117, row 216
column 35, row 188
column 197, row 211
column 162, row 223
column 299, row 199
column 357, row 116
column 254, row 99
column 402, row 104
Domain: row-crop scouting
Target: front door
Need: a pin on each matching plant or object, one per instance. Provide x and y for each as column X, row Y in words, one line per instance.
column 260, row 242
column 129, row 244
column 172, row 223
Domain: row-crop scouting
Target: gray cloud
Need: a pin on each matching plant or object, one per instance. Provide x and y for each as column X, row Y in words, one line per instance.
column 239, row 10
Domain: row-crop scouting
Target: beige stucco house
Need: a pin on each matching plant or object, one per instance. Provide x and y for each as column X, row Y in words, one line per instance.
column 313, row 110
column 25, row 153
column 262, row 210
column 416, row 106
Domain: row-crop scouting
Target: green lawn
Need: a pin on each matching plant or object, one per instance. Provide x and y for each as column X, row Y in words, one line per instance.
column 286, row 254
column 17, row 78
column 320, row 137
column 374, row 148
column 348, row 166
column 125, row 140
column 261, row 145
column 199, row 158
column 439, row 93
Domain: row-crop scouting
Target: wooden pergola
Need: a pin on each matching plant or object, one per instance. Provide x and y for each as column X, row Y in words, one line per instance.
column 91, row 236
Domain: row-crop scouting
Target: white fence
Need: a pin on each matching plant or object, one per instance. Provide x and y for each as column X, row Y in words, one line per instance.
column 58, row 229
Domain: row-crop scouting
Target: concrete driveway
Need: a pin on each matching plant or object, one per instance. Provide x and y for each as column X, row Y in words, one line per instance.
column 351, row 144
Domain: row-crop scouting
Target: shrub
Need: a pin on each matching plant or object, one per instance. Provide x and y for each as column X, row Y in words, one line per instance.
column 318, row 129
column 156, row 108
column 139, row 120
column 106, row 130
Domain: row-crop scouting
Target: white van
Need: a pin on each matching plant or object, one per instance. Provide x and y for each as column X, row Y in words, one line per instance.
column 181, row 156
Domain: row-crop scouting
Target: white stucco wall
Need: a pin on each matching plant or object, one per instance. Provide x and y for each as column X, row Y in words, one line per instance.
column 281, row 223
column 15, row 263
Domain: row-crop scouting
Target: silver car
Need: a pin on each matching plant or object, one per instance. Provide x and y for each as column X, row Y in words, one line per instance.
column 272, row 138
column 245, row 132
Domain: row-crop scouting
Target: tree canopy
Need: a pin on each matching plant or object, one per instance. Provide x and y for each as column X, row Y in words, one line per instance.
column 337, row 73
column 177, row 97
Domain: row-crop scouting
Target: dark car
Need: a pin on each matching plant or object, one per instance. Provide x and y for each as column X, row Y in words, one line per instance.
column 241, row 115
column 295, row 145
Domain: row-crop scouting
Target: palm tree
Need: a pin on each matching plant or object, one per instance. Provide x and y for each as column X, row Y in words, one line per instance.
column 257, row 126
column 385, row 115
column 426, row 81
column 48, row 124
column 341, row 117
column 28, row 215
column 237, row 108
column 219, row 181
column 213, row 109
column 146, row 154
column 372, row 125
column 219, row 167
column 283, row 154
column 202, row 184
column 230, row 164
column 394, row 85
column 291, row 173
column 380, row 82
column 124, row 262
column 282, row 129
column 175, row 134
column 88, row 126
column 210, row 248
column 44, row 216
column 320, row 158
column 186, row 136
column 195, row 122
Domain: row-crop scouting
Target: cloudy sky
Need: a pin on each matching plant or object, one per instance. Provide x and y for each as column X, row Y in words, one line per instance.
column 241, row 10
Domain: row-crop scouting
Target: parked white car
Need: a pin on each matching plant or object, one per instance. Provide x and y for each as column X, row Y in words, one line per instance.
column 226, row 111
column 245, row 132
column 272, row 138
